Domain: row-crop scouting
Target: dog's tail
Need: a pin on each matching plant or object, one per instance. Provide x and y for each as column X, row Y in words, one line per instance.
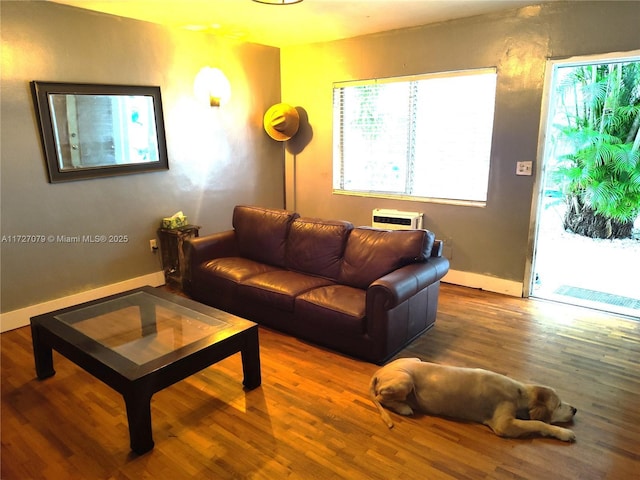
column 383, row 413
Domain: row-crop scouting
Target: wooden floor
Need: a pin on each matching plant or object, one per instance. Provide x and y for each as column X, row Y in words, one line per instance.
column 312, row 418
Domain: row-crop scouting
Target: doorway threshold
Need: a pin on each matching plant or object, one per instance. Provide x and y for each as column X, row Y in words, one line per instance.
column 593, row 299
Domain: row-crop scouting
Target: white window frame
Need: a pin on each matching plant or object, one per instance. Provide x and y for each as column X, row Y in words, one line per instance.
column 409, row 153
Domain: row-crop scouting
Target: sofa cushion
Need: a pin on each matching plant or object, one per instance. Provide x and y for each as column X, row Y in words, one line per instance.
column 234, row 269
column 278, row 288
column 372, row 253
column 336, row 308
column 216, row 281
column 261, row 233
column 316, row 246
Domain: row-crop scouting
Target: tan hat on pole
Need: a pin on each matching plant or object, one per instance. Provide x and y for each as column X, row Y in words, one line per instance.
column 281, row 122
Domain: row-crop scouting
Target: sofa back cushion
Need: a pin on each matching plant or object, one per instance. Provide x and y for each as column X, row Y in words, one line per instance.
column 316, row 246
column 372, row 253
column 261, row 233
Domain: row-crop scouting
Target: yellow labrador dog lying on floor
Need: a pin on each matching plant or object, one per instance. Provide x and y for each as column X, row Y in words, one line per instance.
column 509, row 408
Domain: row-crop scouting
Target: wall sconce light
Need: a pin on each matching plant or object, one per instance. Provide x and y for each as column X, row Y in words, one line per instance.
column 211, row 87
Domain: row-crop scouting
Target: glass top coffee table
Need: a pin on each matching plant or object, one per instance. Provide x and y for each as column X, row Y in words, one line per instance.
column 142, row 341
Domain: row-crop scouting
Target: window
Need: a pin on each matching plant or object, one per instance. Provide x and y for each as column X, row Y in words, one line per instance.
column 424, row 137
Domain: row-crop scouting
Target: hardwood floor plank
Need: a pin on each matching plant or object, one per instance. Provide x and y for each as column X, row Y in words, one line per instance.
column 312, row 417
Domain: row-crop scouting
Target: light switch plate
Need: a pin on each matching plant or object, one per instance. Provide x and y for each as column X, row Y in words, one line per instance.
column 524, row 168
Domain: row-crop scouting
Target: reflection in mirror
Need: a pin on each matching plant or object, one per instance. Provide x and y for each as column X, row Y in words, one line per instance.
column 103, row 130
column 98, row 130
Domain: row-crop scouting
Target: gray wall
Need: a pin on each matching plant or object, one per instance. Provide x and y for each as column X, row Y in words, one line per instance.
column 217, row 158
column 491, row 241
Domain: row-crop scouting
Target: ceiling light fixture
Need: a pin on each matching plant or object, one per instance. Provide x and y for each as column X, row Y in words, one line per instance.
column 278, row 2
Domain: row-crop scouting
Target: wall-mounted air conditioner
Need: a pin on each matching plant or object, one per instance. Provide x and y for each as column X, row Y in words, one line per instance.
column 395, row 219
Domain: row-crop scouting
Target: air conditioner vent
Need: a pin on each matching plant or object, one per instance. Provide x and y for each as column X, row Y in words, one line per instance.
column 395, row 219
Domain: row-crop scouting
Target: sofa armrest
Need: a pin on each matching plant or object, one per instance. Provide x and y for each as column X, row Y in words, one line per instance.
column 200, row 249
column 396, row 287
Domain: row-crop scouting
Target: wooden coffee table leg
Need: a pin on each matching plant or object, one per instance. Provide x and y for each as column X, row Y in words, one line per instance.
column 139, row 417
column 42, row 354
column 251, row 360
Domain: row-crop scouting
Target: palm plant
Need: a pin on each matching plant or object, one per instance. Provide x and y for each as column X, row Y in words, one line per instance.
column 598, row 128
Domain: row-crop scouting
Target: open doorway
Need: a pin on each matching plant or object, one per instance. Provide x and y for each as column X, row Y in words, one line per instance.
column 587, row 226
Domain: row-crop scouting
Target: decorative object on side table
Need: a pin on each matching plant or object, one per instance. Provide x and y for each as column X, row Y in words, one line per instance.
column 176, row 220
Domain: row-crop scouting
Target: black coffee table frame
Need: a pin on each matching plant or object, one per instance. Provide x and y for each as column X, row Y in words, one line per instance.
column 138, row 383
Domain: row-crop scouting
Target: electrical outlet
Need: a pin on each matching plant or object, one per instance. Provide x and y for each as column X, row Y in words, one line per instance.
column 153, row 245
column 524, row 168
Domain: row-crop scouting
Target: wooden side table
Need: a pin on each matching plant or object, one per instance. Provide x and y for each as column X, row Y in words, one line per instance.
column 171, row 241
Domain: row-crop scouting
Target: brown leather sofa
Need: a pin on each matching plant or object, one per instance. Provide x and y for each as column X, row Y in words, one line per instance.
column 362, row 291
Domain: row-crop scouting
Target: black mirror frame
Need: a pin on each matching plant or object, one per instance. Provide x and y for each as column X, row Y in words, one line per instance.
column 42, row 90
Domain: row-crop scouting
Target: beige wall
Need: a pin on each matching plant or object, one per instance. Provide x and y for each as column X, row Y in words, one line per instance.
column 217, row 158
column 491, row 242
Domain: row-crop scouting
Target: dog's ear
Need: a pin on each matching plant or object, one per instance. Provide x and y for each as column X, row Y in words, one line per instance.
column 538, row 409
column 396, row 387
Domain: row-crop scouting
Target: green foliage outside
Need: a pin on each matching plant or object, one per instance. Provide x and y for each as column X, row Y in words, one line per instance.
column 597, row 124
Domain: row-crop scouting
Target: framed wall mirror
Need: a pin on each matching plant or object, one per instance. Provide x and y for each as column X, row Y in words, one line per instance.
column 91, row 131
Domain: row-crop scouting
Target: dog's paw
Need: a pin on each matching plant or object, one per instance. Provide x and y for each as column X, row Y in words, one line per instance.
column 566, row 435
column 399, row 407
column 404, row 410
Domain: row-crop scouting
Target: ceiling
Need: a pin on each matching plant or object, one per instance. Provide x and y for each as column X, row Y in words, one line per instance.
column 306, row 22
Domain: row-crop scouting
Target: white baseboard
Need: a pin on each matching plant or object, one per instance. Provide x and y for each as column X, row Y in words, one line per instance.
column 20, row 318
column 484, row 282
